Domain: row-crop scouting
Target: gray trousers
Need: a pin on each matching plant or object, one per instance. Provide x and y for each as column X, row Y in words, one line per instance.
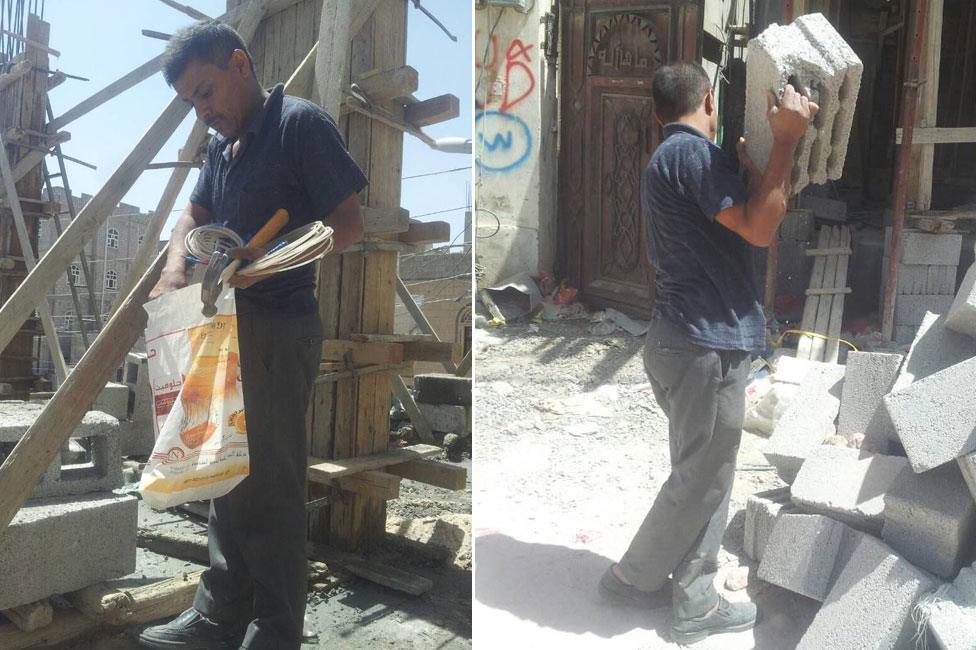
column 702, row 392
column 258, row 567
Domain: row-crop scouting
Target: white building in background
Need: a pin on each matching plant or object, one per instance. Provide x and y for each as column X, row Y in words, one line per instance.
column 109, row 254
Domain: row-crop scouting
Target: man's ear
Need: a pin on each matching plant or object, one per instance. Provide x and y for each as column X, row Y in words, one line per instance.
column 240, row 64
column 710, row 102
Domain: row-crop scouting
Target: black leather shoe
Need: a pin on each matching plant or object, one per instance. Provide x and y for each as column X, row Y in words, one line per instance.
column 192, row 631
column 726, row 617
column 615, row 590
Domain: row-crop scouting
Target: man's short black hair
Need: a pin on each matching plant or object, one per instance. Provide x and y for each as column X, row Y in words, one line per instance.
column 208, row 41
column 678, row 90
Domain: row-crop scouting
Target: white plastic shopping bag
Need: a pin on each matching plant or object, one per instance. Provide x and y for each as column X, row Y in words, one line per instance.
column 198, row 404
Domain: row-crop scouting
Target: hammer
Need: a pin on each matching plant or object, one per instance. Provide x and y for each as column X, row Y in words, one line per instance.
column 222, row 266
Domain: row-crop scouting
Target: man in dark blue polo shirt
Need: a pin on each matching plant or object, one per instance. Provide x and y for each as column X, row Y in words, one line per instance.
column 703, row 225
column 275, row 152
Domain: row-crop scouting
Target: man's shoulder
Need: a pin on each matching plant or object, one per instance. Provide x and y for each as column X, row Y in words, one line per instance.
column 296, row 110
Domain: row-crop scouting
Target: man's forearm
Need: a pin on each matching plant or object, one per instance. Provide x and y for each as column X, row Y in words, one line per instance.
column 767, row 202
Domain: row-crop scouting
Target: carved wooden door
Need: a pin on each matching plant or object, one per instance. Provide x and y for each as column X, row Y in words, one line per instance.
column 608, row 131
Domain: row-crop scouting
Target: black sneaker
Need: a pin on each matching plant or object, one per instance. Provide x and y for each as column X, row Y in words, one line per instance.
column 619, row 592
column 192, row 631
column 726, row 617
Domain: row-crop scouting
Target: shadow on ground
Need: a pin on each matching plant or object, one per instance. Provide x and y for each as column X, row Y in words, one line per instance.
column 555, row 587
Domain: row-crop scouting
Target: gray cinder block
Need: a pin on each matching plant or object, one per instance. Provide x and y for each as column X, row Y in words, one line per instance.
column 951, row 612
column 446, row 418
column 439, row 388
column 962, row 314
column 847, row 484
column 869, row 377
column 967, row 467
column 139, row 433
column 911, row 310
column 918, row 247
column 114, row 400
column 931, row 279
column 807, row 422
column 54, row 546
column 103, row 473
column 870, row 604
column 762, row 510
column 934, row 348
column 930, row 519
column 805, row 553
column 935, row 417
column 811, row 49
column 825, row 208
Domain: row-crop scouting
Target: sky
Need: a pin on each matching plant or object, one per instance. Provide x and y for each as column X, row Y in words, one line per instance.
column 102, row 40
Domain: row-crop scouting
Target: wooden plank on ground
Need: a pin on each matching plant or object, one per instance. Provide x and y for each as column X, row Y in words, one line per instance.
column 326, row 470
column 381, row 574
column 32, row 616
column 432, row 472
column 68, row 624
column 156, row 600
column 173, row 543
column 817, row 346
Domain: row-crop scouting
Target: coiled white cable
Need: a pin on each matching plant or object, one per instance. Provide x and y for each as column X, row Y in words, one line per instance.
column 201, row 242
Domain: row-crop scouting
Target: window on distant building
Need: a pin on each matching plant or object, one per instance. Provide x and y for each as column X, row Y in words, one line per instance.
column 75, row 274
column 112, row 239
column 111, row 280
column 69, row 320
column 141, row 237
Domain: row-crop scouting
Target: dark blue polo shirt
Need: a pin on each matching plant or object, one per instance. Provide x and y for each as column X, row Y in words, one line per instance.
column 291, row 156
column 706, row 280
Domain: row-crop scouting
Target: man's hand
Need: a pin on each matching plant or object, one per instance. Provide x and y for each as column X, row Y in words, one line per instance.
column 788, row 121
column 249, row 253
column 169, row 280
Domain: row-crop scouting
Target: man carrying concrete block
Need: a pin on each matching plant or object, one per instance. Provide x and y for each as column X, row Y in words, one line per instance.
column 703, row 224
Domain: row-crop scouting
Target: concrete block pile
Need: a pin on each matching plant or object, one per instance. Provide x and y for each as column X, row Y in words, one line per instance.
column 812, row 51
column 73, row 531
column 445, row 402
column 926, row 278
column 879, row 520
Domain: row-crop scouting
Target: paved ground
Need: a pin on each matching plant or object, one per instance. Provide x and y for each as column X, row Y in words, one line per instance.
column 571, row 449
column 346, row 611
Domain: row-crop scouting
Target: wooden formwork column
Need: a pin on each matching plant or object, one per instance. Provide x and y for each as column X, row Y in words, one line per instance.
column 23, row 107
column 357, row 295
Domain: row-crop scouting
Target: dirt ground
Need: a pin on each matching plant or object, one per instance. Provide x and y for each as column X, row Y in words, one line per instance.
column 571, row 449
column 346, row 611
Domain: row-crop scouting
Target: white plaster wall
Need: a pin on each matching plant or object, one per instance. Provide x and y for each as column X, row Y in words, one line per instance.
column 514, row 143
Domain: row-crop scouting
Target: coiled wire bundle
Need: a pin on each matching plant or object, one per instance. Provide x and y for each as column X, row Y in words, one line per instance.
column 295, row 248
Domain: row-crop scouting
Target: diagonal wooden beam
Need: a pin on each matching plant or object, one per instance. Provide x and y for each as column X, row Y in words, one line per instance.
column 31, row 457
column 186, row 9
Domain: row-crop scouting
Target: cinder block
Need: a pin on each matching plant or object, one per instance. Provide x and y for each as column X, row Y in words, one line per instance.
column 811, row 49
column 139, row 434
column 934, row 348
column 825, row 208
column 869, row 377
column 911, row 310
column 870, row 604
column 797, row 225
column 446, row 418
column 103, row 473
column 920, row 279
column 935, row 417
column 967, row 467
column 904, row 334
column 790, row 370
column 918, row 247
column 762, row 510
column 962, row 314
column 951, row 612
column 847, row 484
column 114, row 400
column 807, row 422
column 805, row 553
column 930, row 519
column 54, row 546
column 442, row 389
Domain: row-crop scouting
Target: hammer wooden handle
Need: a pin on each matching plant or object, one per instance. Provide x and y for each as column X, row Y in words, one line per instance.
column 262, row 237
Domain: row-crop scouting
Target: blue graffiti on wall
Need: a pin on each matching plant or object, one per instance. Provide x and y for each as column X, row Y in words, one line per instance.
column 504, row 141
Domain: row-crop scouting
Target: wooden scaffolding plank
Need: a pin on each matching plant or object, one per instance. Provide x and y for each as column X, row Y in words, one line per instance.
column 809, row 319
column 325, row 470
column 817, row 346
column 832, row 350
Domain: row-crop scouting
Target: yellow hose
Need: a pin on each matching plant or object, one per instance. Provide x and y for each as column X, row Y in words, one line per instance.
column 779, row 341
